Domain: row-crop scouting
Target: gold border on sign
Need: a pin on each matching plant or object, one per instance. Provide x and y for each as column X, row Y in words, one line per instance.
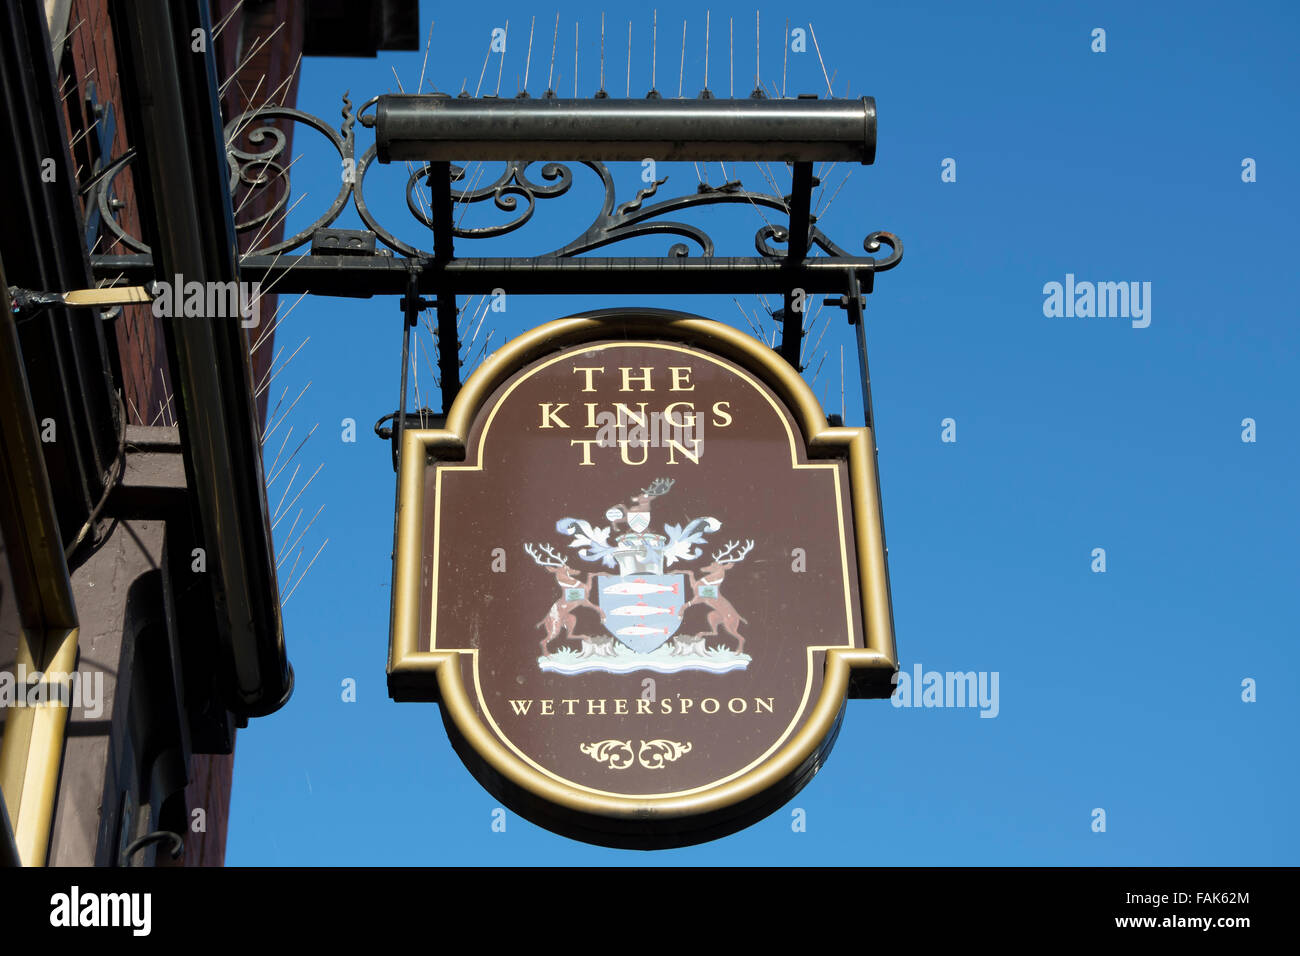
column 876, row 661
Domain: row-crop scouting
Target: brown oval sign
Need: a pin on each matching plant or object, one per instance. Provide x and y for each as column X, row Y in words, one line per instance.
column 641, row 574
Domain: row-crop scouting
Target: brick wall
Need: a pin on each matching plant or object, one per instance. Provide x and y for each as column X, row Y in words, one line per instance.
column 89, row 58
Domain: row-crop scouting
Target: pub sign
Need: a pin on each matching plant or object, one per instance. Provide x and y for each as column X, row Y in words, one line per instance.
column 641, row 575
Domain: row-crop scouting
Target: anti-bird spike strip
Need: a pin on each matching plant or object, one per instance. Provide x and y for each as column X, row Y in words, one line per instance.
column 681, row 70
column 707, row 15
column 654, row 53
column 529, row 62
column 550, row 86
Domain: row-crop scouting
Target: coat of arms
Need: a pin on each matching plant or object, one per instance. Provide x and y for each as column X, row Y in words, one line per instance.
column 640, row 604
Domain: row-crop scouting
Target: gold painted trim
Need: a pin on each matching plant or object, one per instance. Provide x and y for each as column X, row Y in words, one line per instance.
column 32, row 749
column 875, row 664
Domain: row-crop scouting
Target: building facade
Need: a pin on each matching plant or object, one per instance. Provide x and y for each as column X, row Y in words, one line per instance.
column 139, row 606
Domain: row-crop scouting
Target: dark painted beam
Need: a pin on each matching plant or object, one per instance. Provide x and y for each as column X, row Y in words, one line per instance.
column 366, row 276
column 792, row 330
column 183, row 183
column 64, row 350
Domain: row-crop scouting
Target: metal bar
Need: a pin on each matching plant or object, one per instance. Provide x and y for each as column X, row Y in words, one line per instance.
column 27, row 302
column 363, row 277
column 439, row 180
column 448, row 348
column 439, row 127
column 410, row 315
column 797, row 249
column 853, row 302
column 444, row 253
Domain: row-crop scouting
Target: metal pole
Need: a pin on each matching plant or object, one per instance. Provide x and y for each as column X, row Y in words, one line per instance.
column 854, row 304
column 410, row 315
column 797, row 249
column 444, row 253
column 438, row 127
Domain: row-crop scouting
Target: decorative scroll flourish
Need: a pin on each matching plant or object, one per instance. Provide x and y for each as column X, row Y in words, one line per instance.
column 505, row 192
column 257, row 154
column 656, row 754
column 652, row 754
column 108, row 205
column 616, row 753
column 254, row 171
column 632, row 219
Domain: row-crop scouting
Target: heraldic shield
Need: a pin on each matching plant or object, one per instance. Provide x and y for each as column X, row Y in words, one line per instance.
column 642, row 610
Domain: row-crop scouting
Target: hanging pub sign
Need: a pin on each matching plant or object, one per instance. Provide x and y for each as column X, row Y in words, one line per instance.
column 641, row 575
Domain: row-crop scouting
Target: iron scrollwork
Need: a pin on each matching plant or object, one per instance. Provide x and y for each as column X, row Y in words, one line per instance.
column 257, row 155
column 249, row 168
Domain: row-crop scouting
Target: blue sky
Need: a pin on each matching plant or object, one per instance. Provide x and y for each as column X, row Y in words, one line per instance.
column 1119, row 690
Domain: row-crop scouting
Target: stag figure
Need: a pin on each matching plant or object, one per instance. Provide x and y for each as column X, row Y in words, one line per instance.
column 637, row 516
column 573, row 595
column 708, row 592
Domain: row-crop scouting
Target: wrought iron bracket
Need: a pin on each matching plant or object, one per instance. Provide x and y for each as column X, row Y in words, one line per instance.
column 176, row 845
column 792, row 258
column 420, row 418
column 854, row 304
column 256, row 155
